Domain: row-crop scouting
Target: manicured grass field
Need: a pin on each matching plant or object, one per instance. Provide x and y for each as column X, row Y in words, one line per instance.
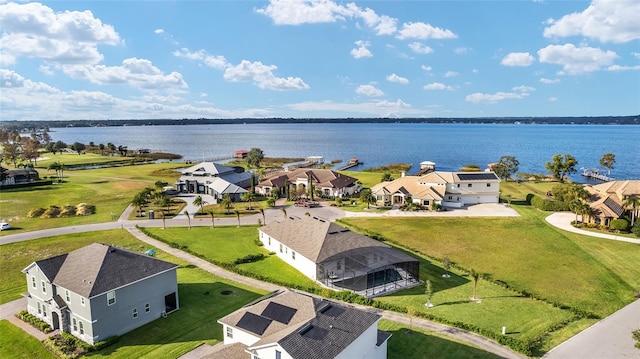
column 412, row 343
column 16, row 344
column 228, row 243
column 109, row 189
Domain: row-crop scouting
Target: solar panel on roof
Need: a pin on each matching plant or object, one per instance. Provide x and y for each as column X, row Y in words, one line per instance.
column 331, row 310
column 313, row 332
column 477, row 176
column 279, row 313
column 254, row 323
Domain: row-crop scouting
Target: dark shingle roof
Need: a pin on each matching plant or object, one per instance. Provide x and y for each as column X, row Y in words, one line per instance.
column 97, row 268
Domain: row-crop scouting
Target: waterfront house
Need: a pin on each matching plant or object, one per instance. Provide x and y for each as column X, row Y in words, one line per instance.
column 287, row 324
column 99, row 291
column 330, row 183
column 215, row 180
column 20, row 175
column 339, row 258
column 449, row 189
column 607, row 199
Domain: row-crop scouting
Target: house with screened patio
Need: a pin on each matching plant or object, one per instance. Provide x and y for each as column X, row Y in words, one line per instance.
column 99, row 291
column 339, row 258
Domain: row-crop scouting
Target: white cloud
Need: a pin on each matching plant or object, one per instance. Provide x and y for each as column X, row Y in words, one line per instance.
column 382, row 108
column 369, row 90
column 451, row 74
column 549, row 81
column 45, row 69
column 383, row 25
column 139, row 73
column 425, row 68
column 420, row 30
column 288, row 12
column 34, row 30
column 475, row 71
column 636, row 55
column 437, row 86
column 604, row 20
column 397, row 79
column 362, row 50
column 576, row 60
column 461, row 50
column 553, row 99
column 519, row 93
column 420, row 48
column 262, row 76
column 23, row 99
column 522, row 59
column 623, row 68
column 215, row 61
column 158, row 31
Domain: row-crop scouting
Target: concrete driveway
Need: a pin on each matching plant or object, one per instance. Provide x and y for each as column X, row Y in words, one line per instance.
column 608, row 338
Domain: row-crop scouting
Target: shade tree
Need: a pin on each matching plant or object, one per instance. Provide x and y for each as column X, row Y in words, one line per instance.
column 561, row 165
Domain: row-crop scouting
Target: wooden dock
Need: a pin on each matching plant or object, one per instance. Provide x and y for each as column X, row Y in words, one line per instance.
column 352, row 163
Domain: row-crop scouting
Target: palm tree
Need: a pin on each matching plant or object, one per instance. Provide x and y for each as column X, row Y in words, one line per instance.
column 237, row 215
column 284, row 211
column 585, row 210
column 248, row 197
column 164, row 226
column 198, row 201
column 227, row 203
column 632, row 203
column 188, row 218
column 140, row 200
column 474, row 275
column 264, row 219
column 164, row 201
column 213, row 224
column 367, row 197
column 56, row 167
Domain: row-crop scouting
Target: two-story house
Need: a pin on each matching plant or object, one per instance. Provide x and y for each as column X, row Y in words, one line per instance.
column 215, row 180
column 291, row 325
column 99, row 291
column 450, row 189
column 328, row 182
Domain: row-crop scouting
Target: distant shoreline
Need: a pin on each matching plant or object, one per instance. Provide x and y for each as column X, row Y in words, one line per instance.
column 596, row 120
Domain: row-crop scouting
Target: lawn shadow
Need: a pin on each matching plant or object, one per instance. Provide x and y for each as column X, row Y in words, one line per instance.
column 201, row 305
column 406, row 343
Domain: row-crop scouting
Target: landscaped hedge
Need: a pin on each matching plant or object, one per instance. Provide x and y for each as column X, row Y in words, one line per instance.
column 545, row 204
column 35, row 321
column 619, row 224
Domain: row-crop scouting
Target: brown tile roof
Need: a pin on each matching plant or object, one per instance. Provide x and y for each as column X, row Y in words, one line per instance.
column 321, row 178
column 411, row 185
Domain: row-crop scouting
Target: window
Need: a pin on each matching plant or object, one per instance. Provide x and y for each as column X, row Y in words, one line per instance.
column 488, row 184
column 81, row 328
column 66, row 294
column 82, row 301
column 470, row 185
column 450, row 197
column 280, row 247
column 269, row 240
column 278, row 354
column 293, row 255
column 44, row 310
column 75, row 325
column 33, row 282
column 147, row 308
column 458, row 185
column 111, row 298
column 229, row 332
column 44, row 287
column 39, row 308
column 134, row 312
column 339, row 265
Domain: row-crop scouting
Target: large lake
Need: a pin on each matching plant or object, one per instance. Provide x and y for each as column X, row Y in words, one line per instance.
column 450, row 146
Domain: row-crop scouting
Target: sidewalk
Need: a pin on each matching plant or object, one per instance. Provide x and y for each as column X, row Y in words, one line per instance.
column 8, row 311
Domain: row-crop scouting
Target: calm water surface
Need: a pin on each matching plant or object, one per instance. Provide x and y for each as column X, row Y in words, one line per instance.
column 450, row 146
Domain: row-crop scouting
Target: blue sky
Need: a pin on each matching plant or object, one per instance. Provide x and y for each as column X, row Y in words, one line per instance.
column 228, row 59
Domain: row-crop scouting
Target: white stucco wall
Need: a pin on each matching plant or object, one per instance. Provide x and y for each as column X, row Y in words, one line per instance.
column 301, row 263
column 239, row 336
column 365, row 346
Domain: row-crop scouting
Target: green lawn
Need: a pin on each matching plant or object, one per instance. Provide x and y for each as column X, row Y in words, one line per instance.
column 109, row 189
column 17, row 344
column 226, row 244
column 408, row 343
column 194, row 323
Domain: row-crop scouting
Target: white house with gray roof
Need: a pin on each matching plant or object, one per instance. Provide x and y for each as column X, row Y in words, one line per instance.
column 292, row 325
column 215, row 180
column 340, row 258
column 99, row 291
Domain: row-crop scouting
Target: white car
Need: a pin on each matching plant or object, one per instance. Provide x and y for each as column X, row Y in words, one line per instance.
column 4, row 226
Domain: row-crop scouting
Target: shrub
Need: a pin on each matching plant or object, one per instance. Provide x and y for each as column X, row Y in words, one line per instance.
column 68, row 211
column 84, row 209
column 34, row 321
column 619, row 224
column 636, row 229
column 35, row 212
column 548, row 205
column 250, row 258
column 51, row 212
